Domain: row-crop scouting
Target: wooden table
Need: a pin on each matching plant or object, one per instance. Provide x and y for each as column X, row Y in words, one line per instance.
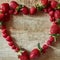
column 28, row 31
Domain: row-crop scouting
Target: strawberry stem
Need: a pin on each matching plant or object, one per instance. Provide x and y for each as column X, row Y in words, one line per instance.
column 39, row 47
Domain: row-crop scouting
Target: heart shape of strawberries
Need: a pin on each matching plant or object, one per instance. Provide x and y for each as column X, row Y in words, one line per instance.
column 13, row 8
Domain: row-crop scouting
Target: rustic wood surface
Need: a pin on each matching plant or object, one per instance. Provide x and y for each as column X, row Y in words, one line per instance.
column 28, row 31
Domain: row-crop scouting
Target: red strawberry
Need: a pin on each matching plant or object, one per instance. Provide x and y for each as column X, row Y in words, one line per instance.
column 51, row 39
column 10, row 43
column 1, row 16
column 4, row 7
column 25, row 10
column 8, row 38
column 49, row 9
column 44, row 48
column 24, row 56
column 57, row 14
column 34, row 54
column 6, row 17
column 45, row 10
column 33, row 10
column 4, row 31
column 13, row 4
column 54, row 29
column 17, row 49
column 11, row 11
column 4, row 35
column 54, row 4
column 44, row 2
column 52, row 19
column 13, row 47
column 51, row 13
column 15, row 12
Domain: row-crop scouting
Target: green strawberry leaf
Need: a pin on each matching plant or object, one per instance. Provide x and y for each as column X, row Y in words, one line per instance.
column 56, row 35
column 39, row 8
column 19, row 7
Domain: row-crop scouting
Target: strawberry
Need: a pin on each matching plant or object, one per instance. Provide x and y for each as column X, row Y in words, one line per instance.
column 45, row 10
column 54, row 29
column 8, row 38
column 52, row 19
column 11, row 43
column 57, row 14
column 4, row 35
column 1, row 16
column 44, row 2
column 51, row 13
column 44, row 48
column 6, row 17
column 24, row 56
column 34, row 54
column 17, row 49
column 51, row 39
column 4, row 7
column 49, row 9
column 11, row 11
column 25, row 10
column 33, row 10
column 4, row 31
column 13, row 4
column 15, row 12
column 54, row 4
column 13, row 47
